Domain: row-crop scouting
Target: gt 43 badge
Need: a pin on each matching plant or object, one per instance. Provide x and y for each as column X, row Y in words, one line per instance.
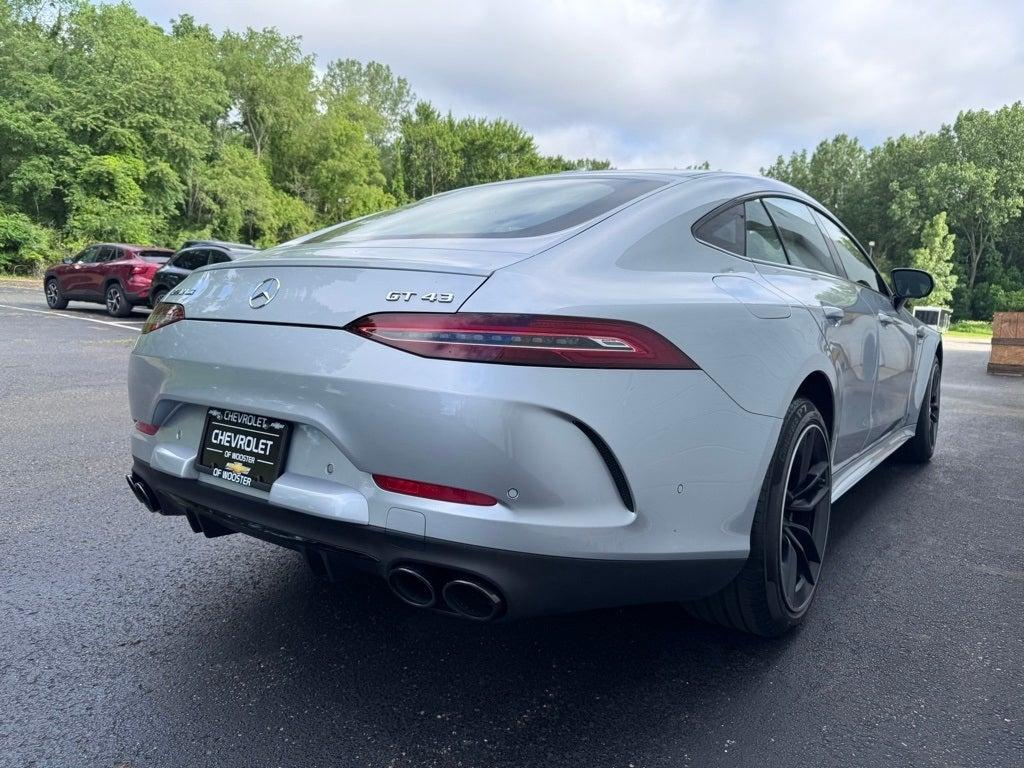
column 440, row 298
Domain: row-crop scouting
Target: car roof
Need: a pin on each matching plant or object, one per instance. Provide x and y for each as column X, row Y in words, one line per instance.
column 751, row 179
column 737, row 183
column 228, row 246
column 136, row 247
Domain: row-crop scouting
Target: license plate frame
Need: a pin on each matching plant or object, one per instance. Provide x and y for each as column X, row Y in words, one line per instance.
column 243, row 448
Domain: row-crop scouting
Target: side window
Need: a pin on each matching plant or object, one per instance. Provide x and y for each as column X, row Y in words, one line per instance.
column 87, row 255
column 106, row 253
column 190, row 259
column 725, row 230
column 805, row 245
column 218, row 257
column 856, row 264
column 95, row 254
column 762, row 239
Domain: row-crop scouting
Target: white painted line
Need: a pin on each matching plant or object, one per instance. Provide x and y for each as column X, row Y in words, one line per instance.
column 53, row 313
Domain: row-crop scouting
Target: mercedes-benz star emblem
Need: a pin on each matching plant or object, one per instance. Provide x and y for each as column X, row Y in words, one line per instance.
column 264, row 293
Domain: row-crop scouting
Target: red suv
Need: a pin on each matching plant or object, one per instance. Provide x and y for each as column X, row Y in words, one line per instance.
column 114, row 274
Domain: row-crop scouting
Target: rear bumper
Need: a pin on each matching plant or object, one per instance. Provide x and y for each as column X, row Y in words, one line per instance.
column 137, row 291
column 529, row 584
column 602, row 464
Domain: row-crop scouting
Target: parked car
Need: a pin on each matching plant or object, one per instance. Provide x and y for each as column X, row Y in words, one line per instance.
column 546, row 394
column 194, row 254
column 114, row 274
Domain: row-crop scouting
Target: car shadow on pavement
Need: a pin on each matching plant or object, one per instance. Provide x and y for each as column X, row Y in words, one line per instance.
column 317, row 658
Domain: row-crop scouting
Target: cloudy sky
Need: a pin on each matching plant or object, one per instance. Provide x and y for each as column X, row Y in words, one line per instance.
column 652, row 83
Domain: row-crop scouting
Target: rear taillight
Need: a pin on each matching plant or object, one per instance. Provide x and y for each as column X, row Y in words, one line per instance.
column 145, row 428
column 548, row 340
column 138, row 269
column 432, row 491
column 163, row 314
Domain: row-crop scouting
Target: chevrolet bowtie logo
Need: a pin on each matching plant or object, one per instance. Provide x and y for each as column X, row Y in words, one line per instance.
column 237, row 466
column 264, row 293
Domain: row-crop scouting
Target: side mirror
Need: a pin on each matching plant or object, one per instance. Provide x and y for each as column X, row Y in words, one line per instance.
column 910, row 284
column 67, row 259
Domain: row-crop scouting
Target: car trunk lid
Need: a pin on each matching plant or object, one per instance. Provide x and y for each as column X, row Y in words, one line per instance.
column 332, row 287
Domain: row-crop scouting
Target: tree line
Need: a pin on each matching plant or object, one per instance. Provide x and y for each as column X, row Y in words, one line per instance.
column 949, row 202
column 113, row 128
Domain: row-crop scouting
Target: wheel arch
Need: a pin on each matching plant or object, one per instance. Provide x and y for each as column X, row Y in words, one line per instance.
column 817, row 388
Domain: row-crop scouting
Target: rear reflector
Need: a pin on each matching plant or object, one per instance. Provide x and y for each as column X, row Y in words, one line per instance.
column 163, row 314
column 548, row 340
column 146, row 429
column 431, row 491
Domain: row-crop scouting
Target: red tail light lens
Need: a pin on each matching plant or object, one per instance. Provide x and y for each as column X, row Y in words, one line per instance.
column 548, row 340
column 431, row 491
column 162, row 315
column 145, row 428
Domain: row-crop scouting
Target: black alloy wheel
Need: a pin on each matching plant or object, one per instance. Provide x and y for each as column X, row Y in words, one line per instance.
column 805, row 518
column 54, row 298
column 934, row 403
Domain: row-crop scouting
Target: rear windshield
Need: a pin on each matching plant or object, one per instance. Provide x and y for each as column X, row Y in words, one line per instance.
column 156, row 257
column 519, row 209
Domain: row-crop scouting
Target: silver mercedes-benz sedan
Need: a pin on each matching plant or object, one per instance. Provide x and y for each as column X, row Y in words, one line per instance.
column 549, row 394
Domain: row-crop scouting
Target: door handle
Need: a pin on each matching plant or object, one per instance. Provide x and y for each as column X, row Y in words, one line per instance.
column 885, row 318
column 834, row 315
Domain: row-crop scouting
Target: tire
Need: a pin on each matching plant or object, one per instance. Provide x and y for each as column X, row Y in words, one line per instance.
column 774, row 590
column 157, row 297
column 55, row 298
column 116, row 301
column 921, row 446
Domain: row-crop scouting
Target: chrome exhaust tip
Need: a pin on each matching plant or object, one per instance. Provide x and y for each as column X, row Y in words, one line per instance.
column 472, row 600
column 412, row 587
column 143, row 493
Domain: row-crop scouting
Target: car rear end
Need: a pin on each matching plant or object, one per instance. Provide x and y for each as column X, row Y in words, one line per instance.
column 362, row 405
column 139, row 270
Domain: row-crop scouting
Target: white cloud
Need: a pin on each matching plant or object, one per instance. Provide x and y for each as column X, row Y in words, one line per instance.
column 671, row 83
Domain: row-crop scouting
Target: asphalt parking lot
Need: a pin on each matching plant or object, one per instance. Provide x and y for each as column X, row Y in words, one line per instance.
column 129, row 641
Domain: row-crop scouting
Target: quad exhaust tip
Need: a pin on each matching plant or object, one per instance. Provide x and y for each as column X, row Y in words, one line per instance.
column 471, row 600
column 412, row 587
column 465, row 597
column 143, row 493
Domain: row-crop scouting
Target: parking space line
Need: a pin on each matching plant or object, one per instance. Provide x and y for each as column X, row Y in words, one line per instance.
column 54, row 313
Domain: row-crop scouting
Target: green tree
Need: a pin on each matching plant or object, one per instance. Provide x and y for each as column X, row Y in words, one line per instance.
column 235, row 200
column 347, row 177
column 978, row 178
column 431, row 158
column 935, row 256
column 493, row 150
column 107, row 202
column 22, row 242
column 271, row 83
column 831, row 174
column 558, row 164
column 383, row 97
column 114, row 128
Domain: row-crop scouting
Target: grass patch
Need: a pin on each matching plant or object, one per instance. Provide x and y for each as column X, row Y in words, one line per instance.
column 973, row 330
column 970, row 328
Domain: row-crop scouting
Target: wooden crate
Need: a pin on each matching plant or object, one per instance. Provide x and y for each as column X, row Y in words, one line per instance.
column 1007, row 343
